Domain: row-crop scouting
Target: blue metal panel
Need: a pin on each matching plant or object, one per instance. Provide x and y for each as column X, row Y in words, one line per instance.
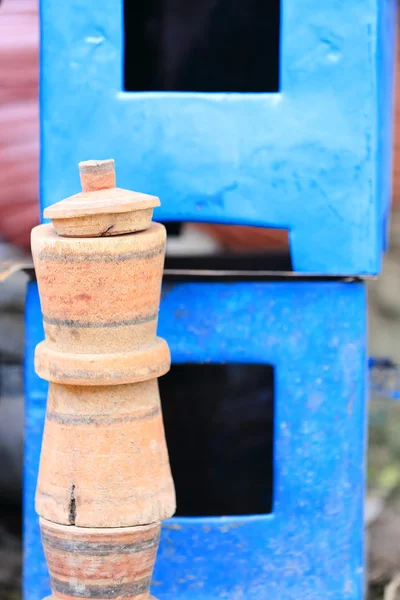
column 386, row 72
column 35, row 574
column 311, row 546
column 313, row 158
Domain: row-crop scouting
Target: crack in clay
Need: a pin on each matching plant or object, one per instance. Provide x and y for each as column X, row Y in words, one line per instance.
column 72, row 507
column 106, row 230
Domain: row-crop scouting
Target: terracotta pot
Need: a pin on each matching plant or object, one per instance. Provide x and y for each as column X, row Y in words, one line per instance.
column 100, row 563
column 104, row 481
column 100, row 295
column 104, row 459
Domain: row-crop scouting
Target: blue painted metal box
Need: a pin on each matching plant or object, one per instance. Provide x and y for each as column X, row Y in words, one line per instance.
column 313, row 158
column 314, row 334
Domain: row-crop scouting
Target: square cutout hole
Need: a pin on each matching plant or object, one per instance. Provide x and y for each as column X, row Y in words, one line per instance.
column 219, row 422
column 202, row 45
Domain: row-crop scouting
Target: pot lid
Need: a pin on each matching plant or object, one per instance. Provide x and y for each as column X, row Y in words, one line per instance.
column 101, row 205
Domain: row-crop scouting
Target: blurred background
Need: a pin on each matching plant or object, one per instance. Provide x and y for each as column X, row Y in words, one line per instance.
column 188, row 245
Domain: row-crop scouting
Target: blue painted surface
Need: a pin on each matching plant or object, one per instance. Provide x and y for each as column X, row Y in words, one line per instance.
column 314, row 333
column 313, row 158
column 387, row 24
column 35, row 574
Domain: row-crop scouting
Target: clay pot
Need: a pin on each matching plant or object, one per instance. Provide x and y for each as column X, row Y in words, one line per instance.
column 100, row 300
column 104, row 479
column 104, row 459
column 100, row 563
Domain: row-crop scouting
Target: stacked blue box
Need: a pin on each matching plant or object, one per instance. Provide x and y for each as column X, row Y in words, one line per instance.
column 311, row 545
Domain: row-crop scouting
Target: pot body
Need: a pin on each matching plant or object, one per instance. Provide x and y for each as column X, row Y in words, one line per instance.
column 104, row 454
column 99, row 294
column 100, row 563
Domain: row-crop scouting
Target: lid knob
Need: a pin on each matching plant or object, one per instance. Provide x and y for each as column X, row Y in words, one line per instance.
column 97, row 175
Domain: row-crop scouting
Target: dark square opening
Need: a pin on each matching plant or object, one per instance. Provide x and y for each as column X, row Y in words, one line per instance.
column 219, row 423
column 202, row 45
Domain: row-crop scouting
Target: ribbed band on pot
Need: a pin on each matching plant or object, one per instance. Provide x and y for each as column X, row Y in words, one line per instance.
column 102, row 369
